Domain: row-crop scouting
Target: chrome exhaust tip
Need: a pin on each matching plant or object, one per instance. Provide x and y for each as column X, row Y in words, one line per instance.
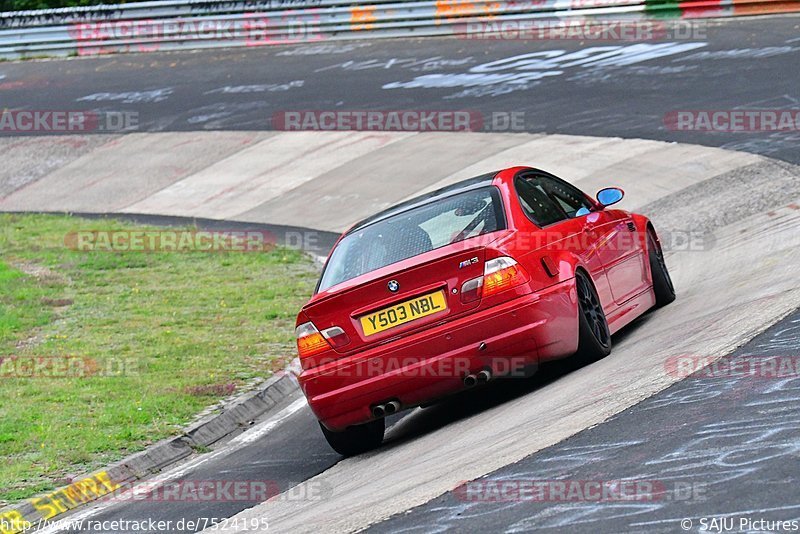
column 391, row 407
column 470, row 380
column 379, row 410
column 484, row 376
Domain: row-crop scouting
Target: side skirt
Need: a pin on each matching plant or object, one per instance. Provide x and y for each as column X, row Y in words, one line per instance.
column 631, row 309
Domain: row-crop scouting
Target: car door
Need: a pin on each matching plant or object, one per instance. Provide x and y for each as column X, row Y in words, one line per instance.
column 611, row 237
column 622, row 256
column 563, row 213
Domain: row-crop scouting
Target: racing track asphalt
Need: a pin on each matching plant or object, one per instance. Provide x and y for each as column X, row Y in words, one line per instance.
column 241, row 89
column 731, row 64
column 721, row 444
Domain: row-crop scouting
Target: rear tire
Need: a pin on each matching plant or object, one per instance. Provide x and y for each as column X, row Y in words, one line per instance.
column 594, row 337
column 662, row 283
column 356, row 439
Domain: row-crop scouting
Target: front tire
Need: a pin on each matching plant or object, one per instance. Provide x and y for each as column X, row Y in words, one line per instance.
column 662, row 283
column 594, row 337
column 356, row 439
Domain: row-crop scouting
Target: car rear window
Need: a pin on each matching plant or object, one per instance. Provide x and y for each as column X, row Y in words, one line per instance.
column 413, row 232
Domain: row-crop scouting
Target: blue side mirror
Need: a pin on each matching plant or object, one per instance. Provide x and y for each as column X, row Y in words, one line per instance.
column 610, row 195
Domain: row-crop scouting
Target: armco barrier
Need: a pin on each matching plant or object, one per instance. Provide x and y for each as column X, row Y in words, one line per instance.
column 192, row 24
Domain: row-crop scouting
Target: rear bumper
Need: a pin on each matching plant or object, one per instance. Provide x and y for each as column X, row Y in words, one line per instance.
column 430, row 364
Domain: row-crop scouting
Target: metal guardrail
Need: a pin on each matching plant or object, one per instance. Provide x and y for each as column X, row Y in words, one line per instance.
column 192, row 24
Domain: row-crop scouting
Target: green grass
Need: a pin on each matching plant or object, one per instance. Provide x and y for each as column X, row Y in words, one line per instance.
column 168, row 334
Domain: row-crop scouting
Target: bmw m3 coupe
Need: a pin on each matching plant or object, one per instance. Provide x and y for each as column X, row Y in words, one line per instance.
column 484, row 278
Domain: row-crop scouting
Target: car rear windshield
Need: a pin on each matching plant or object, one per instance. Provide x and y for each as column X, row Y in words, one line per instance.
column 414, row 231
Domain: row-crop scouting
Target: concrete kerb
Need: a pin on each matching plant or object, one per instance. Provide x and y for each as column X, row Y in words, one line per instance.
column 239, row 414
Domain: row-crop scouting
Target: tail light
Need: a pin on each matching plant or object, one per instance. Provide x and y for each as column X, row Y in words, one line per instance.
column 502, row 273
column 336, row 336
column 471, row 290
column 499, row 274
column 309, row 340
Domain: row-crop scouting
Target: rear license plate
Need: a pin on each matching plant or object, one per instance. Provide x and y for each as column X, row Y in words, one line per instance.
column 402, row 313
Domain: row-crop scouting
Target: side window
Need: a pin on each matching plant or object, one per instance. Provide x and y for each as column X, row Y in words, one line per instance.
column 569, row 198
column 535, row 201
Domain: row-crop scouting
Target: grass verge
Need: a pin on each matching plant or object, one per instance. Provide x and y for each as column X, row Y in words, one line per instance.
column 104, row 353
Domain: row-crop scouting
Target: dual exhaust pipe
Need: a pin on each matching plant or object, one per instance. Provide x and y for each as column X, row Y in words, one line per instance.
column 391, row 407
column 479, row 378
column 382, row 410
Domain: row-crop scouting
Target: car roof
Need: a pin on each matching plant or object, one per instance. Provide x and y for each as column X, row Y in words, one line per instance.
column 459, row 187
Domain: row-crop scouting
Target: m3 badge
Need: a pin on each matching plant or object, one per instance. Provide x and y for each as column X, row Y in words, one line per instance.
column 467, row 263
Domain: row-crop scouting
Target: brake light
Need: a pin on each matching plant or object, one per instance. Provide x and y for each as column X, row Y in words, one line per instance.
column 309, row 340
column 502, row 273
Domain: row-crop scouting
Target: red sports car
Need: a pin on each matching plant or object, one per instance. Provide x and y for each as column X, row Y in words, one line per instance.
column 484, row 278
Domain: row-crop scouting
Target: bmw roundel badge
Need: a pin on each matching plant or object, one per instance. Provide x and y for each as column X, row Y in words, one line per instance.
column 394, row 286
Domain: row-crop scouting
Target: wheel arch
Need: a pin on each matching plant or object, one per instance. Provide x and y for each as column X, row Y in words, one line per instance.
column 644, row 222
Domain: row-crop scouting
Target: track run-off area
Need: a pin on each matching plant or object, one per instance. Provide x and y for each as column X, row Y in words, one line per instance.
column 727, row 205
